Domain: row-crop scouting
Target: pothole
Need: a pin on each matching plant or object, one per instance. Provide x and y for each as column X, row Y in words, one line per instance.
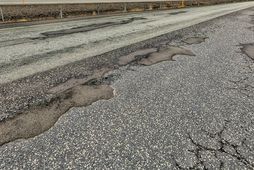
column 164, row 54
column 248, row 49
column 38, row 119
column 194, row 40
column 150, row 56
column 124, row 60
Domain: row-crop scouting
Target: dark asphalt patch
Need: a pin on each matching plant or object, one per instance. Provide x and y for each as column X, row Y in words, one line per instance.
column 248, row 49
column 74, row 30
column 178, row 12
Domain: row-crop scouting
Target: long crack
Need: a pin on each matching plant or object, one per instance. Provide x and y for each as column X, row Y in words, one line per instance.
column 244, row 85
column 222, row 149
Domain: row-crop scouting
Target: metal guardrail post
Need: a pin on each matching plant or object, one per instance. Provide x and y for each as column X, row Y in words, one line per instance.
column 2, row 14
column 98, row 9
column 160, row 6
column 150, row 6
column 61, row 11
column 125, row 7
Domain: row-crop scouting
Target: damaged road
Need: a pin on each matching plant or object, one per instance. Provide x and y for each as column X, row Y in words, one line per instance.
column 39, row 117
column 183, row 100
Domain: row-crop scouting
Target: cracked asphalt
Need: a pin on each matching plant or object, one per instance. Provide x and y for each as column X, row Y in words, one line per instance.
column 195, row 112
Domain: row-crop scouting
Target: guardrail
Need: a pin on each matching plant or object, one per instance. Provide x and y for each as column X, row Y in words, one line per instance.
column 28, row 7
column 50, row 2
column 21, row 10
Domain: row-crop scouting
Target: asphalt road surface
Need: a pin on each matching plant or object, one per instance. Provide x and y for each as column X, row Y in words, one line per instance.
column 184, row 101
column 42, row 47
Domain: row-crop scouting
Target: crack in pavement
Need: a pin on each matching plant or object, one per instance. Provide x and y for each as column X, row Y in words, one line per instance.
column 224, row 147
column 245, row 85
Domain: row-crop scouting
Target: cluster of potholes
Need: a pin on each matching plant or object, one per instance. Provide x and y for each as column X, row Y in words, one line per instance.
column 83, row 92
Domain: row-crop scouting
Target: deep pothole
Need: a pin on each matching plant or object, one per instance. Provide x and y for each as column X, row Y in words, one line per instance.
column 79, row 93
column 40, row 118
